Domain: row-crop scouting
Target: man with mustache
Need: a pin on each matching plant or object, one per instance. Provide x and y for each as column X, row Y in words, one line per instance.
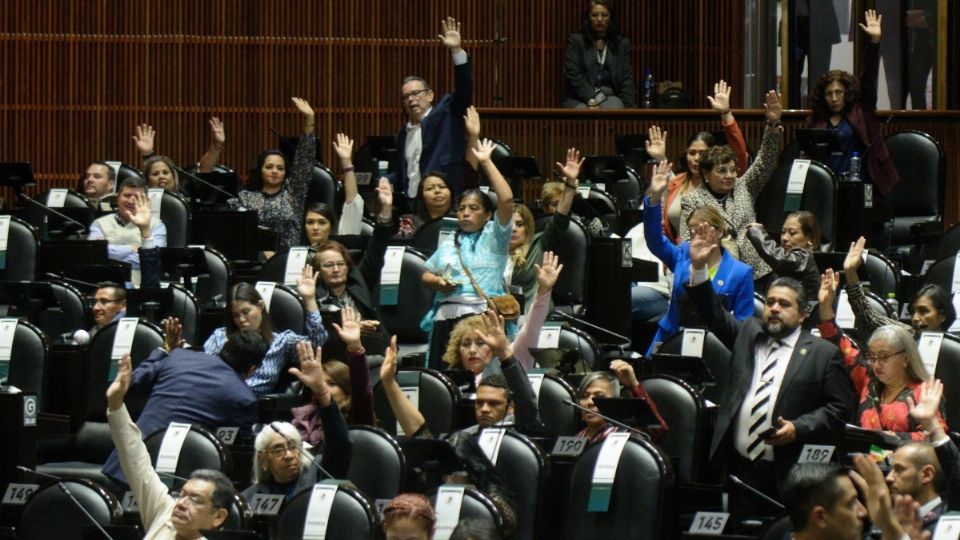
column 785, row 388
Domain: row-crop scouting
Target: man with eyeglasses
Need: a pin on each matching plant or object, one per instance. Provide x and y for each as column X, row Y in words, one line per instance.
column 203, row 502
column 785, row 388
column 434, row 137
column 192, row 387
column 109, row 304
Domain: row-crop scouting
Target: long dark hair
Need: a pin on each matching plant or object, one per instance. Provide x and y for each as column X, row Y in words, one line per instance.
column 324, row 210
column 256, row 178
column 421, row 207
column 612, row 38
column 704, row 136
column 941, row 300
column 245, row 292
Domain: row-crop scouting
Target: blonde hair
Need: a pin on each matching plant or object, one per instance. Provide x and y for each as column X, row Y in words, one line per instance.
column 464, row 327
column 519, row 255
column 549, row 191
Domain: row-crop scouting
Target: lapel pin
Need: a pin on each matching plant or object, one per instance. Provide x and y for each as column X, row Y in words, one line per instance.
column 803, row 351
column 720, row 282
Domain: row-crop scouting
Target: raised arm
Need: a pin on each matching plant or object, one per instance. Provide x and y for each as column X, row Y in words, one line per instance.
column 451, row 38
column 760, row 172
column 868, row 318
column 298, row 177
column 410, row 419
column 571, row 173
column 870, row 68
column 720, row 102
column 499, row 185
column 525, row 401
column 145, row 139
column 547, row 275
column 343, row 147
column 781, row 260
column 657, row 241
column 471, row 124
column 217, row 137
column 656, row 143
column 361, row 400
column 704, row 299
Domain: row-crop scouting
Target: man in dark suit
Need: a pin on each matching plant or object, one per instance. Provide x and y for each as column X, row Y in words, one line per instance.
column 434, row 138
column 785, row 388
column 196, row 388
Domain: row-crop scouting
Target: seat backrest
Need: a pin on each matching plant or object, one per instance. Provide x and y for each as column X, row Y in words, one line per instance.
column 50, row 513
column 377, row 464
column 500, row 149
column 778, row 530
column 919, row 160
column 439, row 398
column 28, row 359
column 598, row 204
column 477, row 506
column 287, row 311
column 682, row 408
column 73, row 309
column 716, row 356
column 274, row 268
column 948, row 369
column 186, row 307
column 941, row 272
column 23, row 241
column 572, row 244
column 949, row 242
column 240, row 514
column 175, row 215
column 627, row 191
column 351, row 516
column 413, row 300
column 819, row 197
column 642, row 475
column 523, row 467
column 323, row 187
column 427, row 237
column 881, row 273
column 559, row 419
column 201, row 450
column 575, row 348
column 212, row 289
column 146, row 338
column 35, row 215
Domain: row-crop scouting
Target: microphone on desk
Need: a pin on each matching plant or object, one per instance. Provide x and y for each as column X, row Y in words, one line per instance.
column 47, row 209
column 79, row 282
column 755, row 492
column 617, row 423
column 210, row 185
column 63, row 487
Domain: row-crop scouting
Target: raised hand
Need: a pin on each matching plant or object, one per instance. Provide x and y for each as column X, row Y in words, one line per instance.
column 350, row 331
column 494, row 335
column 484, row 150
column 385, row 196
column 772, row 107
column 118, row 388
column 548, row 272
column 141, row 213
column 217, row 133
column 303, row 106
column 625, row 374
column 870, row 482
column 829, row 282
column 720, row 100
column 471, row 122
column 144, row 139
column 873, row 25
column 924, row 411
column 388, row 369
column 310, row 372
column 854, row 257
column 907, row 513
column 343, row 146
column 656, row 143
column 450, row 34
column 703, row 243
column 659, row 180
column 307, row 287
column 571, row 169
column 172, row 334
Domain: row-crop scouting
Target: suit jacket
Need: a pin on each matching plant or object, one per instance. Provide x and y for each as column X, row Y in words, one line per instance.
column 191, row 387
column 816, row 393
column 949, row 456
column 581, row 69
column 442, row 134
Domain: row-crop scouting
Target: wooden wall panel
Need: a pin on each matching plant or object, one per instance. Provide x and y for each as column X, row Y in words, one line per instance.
column 76, row 76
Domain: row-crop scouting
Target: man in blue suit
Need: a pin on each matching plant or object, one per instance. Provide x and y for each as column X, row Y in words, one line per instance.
column 434, row 138
column 195, row 388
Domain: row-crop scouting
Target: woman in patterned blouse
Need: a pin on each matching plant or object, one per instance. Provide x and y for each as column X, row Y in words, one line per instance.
column 278, row 199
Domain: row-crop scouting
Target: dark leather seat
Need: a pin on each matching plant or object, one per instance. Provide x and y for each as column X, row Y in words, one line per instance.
column 819, row 196
column 377, row 464
column 213, row 287
column 413, row 302
column 426, row 238
column 948, row 370
column 524, row 468
column 687, row 440
column 920, row 194
column 287, row 311
column 716, row 356
column 438, row 401
column 28, row 359
column 559, row 419
column 23, row 243
column 175, row 215
column 643, row 478
column 477, row 506
column 572, row 245
column 351, row 516
column 50, row 513
column 201, row 450
column 323, row 187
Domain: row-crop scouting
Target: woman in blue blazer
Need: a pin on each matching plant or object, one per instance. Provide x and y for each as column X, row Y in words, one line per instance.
column 731, row 279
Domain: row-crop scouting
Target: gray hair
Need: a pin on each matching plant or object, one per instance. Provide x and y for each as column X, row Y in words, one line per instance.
column 285, row 430
column 901, row 338
column 412, row 78
column 595, row 376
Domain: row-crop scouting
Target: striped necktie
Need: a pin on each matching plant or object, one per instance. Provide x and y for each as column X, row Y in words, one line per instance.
column 760, row 403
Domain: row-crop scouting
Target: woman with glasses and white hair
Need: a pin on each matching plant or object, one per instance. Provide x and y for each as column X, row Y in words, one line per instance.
column 890, row 383
column 604, row 384
column 281, row 466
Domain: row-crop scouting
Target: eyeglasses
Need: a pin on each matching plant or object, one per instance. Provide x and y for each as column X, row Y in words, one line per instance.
column 883, row 358
column 280, row 451
column 415, row 93
column 332, row 265
column 192, row 498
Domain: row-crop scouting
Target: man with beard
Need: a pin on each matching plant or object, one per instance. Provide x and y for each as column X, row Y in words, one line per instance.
column 785, row 388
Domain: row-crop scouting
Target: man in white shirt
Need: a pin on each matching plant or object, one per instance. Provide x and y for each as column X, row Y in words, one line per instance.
column 99, row 181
